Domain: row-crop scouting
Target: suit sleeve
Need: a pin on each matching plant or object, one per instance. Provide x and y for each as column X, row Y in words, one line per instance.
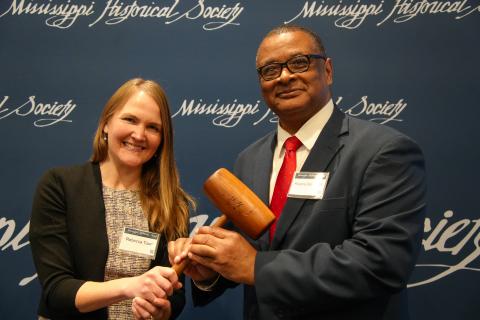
column 50, row 246
column 387, row 209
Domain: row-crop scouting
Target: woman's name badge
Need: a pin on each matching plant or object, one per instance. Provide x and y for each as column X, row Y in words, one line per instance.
column 308, row 185
column 139, row 242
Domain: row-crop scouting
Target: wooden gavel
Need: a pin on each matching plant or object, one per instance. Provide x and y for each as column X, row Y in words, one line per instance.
column 238, row 204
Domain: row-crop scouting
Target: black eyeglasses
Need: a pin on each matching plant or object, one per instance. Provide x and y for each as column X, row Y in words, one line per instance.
column 297, row 64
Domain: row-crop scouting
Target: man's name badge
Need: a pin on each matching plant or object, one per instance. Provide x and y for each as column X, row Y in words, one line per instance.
column 139, row 242
column 308, row 185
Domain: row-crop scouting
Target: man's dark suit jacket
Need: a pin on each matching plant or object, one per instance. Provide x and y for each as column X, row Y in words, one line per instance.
column 69, row 240
column 350, row 254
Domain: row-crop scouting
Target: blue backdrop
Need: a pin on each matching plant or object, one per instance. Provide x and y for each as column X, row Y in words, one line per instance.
column 409, row 64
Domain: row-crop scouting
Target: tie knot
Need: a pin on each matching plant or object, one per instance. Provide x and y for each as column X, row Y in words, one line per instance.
column 292, row 144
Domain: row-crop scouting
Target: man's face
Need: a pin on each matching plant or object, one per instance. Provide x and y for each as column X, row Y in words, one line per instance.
column 294, row 96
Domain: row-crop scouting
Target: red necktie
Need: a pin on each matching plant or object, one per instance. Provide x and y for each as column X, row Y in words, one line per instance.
column 284, row 179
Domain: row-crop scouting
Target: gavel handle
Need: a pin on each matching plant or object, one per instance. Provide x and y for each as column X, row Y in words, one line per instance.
column 178, row 268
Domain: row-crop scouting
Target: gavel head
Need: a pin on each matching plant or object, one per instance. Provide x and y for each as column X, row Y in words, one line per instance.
column 238, row 203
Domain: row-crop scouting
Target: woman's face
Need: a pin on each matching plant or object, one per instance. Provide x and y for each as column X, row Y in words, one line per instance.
column 134, row 132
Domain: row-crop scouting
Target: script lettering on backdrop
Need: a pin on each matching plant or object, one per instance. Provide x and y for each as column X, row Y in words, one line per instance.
column 230, row 114
column 225, row 114
column 451, row 237
column 381, row 112
column 14, row 242
column 63, row 15
column 353, row 14
column 44, row 113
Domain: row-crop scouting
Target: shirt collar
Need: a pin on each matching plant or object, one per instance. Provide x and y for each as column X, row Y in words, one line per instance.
column 310, row 130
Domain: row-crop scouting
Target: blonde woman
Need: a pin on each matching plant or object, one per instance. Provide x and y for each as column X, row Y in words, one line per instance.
column 78, row 236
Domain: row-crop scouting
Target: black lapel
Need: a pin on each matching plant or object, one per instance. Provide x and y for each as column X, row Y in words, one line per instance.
column 326, row 147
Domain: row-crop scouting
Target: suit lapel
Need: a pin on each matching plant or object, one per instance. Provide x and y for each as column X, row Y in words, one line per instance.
column 323, row 152
column 261, row 178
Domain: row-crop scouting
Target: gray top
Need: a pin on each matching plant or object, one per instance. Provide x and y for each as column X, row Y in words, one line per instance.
column 122, row 209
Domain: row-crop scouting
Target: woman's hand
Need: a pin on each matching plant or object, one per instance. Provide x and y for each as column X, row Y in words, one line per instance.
column 146, row 310
column 156, row 283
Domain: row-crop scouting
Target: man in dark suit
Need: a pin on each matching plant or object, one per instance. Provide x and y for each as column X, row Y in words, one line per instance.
column 348, row 234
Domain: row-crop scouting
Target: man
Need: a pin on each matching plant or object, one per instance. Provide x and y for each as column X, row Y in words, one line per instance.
column 344, row 247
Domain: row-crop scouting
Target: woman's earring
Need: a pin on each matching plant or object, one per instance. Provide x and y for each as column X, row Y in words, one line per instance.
column 105, row 136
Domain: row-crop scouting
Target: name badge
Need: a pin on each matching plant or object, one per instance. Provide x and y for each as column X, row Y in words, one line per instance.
column 308, row 185
column 139, row 242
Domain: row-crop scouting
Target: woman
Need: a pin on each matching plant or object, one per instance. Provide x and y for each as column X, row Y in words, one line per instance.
column 79, row 215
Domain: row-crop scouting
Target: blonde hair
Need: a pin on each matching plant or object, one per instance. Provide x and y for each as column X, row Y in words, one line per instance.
column 165, row 203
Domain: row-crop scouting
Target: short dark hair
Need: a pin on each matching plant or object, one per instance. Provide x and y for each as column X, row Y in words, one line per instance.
column 293, row 28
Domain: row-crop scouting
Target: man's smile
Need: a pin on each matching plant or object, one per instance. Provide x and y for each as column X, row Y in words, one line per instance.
column 289, row 93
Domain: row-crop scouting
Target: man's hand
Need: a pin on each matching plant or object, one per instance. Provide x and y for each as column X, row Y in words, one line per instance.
column 177, row 252
column 225, row 252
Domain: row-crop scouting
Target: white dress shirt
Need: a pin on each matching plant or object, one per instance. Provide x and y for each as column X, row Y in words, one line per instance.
column 307, row 134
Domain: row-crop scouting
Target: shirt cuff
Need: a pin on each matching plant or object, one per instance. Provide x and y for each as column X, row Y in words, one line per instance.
column 206, row 285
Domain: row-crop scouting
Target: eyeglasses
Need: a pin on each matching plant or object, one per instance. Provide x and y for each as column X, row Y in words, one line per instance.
column 297, row 64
